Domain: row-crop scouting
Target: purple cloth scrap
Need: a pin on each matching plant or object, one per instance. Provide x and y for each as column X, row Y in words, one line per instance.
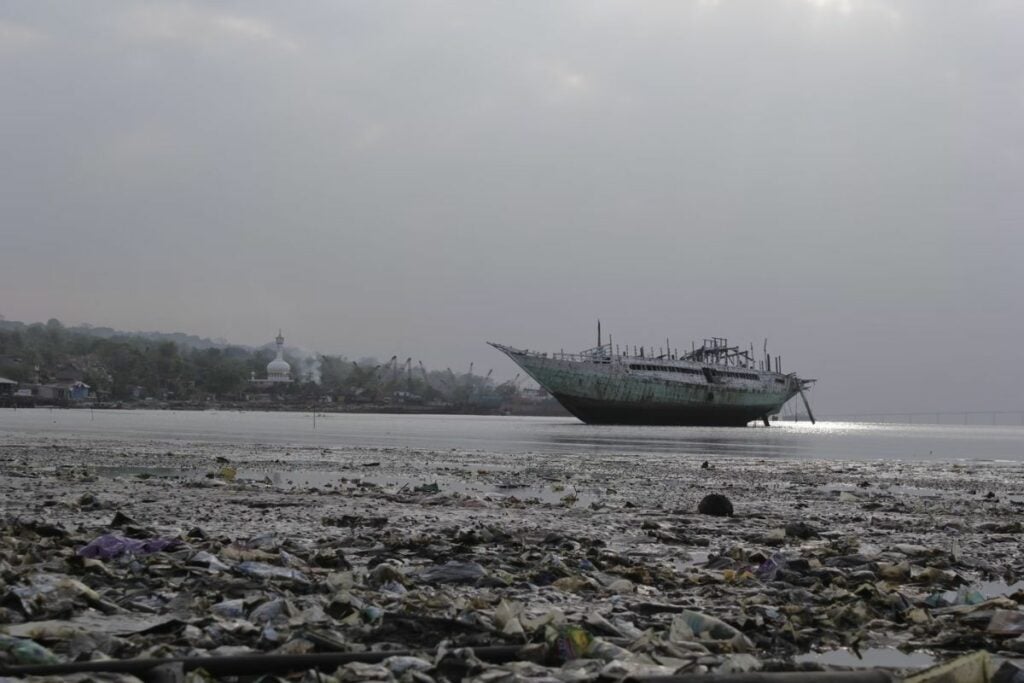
column 109, row 546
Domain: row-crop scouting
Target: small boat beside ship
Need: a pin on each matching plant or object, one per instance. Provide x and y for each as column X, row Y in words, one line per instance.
column 712, row 385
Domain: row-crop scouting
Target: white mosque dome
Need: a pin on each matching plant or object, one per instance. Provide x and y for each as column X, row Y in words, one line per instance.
column 278, row 366
column 279, row 372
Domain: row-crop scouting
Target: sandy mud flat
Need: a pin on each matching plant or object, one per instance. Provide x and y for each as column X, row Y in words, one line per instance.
column 596, row 566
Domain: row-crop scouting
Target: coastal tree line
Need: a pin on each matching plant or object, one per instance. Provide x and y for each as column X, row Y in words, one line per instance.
column 130, row 366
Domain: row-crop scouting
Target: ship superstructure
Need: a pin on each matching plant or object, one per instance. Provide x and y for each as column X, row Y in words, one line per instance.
column 714, row 384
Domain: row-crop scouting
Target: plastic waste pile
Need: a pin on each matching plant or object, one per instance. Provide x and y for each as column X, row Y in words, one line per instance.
column 441, row 585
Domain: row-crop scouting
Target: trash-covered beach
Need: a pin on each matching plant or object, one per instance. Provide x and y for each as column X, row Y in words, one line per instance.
column 464, row 564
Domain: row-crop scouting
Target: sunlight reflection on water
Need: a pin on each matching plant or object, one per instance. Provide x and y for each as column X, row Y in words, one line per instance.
column 827, row 440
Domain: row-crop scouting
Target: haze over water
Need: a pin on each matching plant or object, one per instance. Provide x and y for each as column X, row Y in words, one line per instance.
column 517, row 435
column 841, row 177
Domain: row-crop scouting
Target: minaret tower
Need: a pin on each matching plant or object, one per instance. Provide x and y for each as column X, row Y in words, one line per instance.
column 278, row 370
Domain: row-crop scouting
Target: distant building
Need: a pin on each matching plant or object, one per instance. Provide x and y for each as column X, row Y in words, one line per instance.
column 64, row 391
column 7, row 386
column 278, row 370
column 54, row 392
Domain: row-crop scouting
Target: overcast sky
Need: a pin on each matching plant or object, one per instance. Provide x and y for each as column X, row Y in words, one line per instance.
column 843, row 177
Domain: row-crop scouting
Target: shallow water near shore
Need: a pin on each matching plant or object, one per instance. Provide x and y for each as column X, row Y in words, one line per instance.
column 281, row 478
column 515, row 435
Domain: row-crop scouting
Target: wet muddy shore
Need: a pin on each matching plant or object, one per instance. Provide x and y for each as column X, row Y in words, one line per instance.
column 600, row 564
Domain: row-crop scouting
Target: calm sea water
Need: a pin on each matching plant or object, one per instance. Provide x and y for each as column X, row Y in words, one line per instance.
column 512, row 435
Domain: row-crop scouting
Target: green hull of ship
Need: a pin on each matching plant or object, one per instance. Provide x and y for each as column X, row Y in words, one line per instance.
column 604, row 394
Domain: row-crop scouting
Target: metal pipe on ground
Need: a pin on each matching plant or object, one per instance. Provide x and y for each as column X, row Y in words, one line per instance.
column 172, row 669
column 244, row 665
column 865, row 676
column 250, row 665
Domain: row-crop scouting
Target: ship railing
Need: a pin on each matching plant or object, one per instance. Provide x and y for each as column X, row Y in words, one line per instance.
column 601, row 353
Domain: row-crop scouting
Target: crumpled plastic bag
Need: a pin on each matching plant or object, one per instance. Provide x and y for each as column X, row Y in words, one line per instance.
column 262, row 570
column 25, row 651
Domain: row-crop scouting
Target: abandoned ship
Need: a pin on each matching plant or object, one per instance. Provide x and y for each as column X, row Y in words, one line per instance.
column 712, row 385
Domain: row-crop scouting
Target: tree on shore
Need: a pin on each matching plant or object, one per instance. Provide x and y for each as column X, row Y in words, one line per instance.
column 121, row 366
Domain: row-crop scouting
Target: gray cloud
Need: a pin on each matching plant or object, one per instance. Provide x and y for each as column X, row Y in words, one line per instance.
column 842, row 177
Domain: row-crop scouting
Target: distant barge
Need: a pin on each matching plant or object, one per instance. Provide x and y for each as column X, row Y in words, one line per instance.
column 713, row 385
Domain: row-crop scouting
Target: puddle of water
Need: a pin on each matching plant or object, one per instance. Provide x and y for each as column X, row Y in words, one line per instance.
column 162, row 472
column 293, row 479
column 919, row 491
column 915, row 491
column 546, row 494
column 881, row 657
column 471, row 466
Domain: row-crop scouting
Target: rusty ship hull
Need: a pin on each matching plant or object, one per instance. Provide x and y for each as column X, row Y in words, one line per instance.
column 698, row 389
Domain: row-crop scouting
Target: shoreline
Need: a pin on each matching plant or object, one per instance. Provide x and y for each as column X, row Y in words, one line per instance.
column 324, row 409
column 865, row 553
